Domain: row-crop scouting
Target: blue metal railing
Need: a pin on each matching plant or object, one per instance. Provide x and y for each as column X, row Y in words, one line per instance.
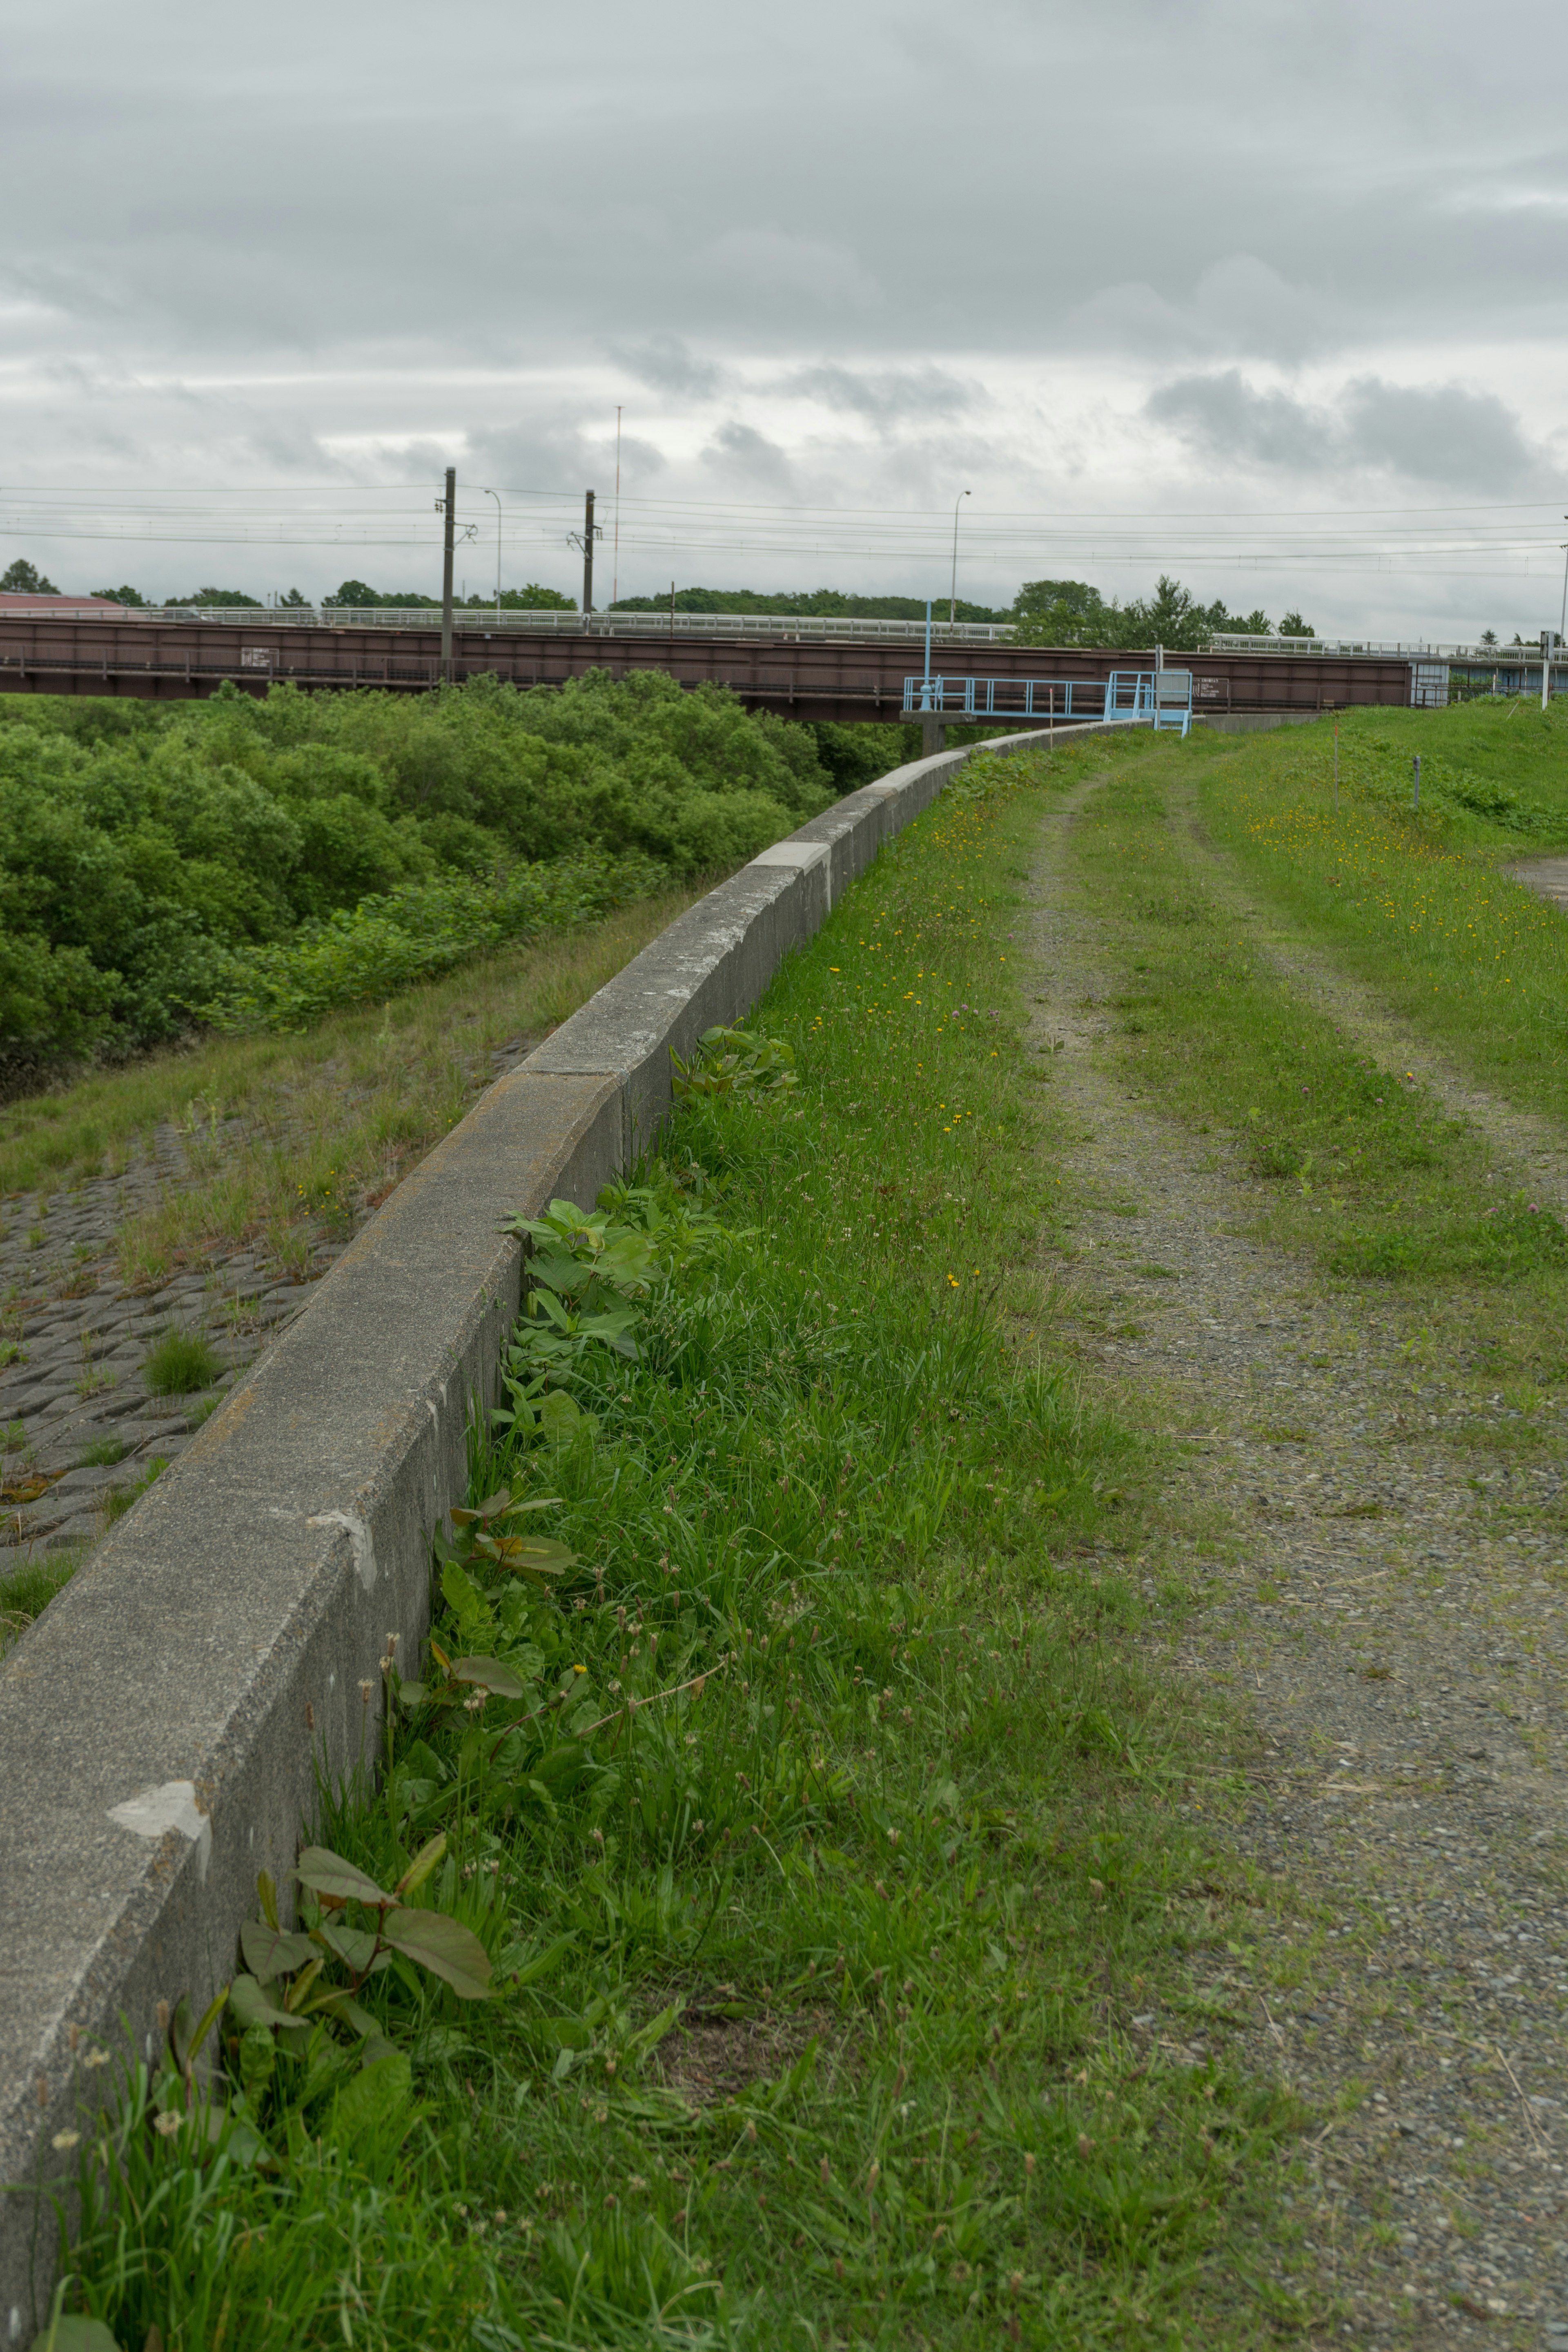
column 1158, row 699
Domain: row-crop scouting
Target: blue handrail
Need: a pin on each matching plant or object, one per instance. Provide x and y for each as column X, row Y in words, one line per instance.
column 1158, row 699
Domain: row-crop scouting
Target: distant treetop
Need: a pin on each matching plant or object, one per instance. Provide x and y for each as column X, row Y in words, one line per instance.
column 23, row 579
column 815, row 604
column 533, row 598
column 218, row 596
column 1071, row 613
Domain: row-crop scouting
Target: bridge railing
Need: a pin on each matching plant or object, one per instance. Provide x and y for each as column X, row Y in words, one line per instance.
column 531, row 621
column 1006, row 697
column 1159, row 698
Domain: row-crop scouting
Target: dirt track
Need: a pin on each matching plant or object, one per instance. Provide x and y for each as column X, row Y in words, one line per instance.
column 1394, row 1626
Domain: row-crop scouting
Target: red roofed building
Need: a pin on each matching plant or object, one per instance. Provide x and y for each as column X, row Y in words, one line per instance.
column 64, row 608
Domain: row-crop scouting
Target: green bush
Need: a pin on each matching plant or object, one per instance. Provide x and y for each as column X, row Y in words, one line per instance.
column 182, row 1362
column 266, row 858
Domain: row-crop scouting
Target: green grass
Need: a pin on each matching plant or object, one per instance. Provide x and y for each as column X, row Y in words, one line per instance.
column 119, row 1499
column 27, row 1590
column 1359, row 1166
column 104, row 1451
column 818, row 1970
column 1422, row 908
column 179, row 1363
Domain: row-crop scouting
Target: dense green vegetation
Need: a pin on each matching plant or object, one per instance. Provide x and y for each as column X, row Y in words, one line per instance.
column 252, row 859
column 1071, row 613
column 778, row 1834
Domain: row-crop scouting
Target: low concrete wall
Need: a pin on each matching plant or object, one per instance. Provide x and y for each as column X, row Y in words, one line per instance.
column 1256, row 722
column 163, row 1724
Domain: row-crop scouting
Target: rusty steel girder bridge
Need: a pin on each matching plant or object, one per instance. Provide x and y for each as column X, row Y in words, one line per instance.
column 814, row 677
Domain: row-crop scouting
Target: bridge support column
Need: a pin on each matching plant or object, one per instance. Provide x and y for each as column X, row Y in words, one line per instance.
column 934, row 736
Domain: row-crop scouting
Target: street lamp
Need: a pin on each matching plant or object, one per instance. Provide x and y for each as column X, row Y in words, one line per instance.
column 496, row 495
column 953, row 598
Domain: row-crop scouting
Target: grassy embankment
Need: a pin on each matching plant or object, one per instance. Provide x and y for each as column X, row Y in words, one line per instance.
column 284, row 1132
column 1422, row 905
column 817, row 1968
column 1369, row 1177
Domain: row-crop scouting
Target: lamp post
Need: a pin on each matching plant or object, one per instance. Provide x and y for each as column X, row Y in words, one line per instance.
column 496, row 495
column 952, row 596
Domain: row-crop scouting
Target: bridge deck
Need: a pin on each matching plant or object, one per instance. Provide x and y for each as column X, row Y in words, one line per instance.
column 815, row 679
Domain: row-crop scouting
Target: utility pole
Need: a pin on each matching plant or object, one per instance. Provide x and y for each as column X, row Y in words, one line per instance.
column 496, row 495
column 1545, row 667
column 450, row 506
column 588, row 555
column 615, row 559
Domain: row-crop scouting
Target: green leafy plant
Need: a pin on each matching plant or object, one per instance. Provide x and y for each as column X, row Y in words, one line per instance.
column 590, row 1275
column 734, row 1062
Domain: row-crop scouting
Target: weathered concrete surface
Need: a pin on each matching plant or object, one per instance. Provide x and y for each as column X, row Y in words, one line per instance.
column 163, row 1724
column 1547, row 875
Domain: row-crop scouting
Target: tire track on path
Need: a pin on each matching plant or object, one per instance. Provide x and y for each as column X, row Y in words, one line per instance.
column 1404, row 1664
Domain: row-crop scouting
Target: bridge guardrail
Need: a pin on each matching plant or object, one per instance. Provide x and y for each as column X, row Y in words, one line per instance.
column 542, row 621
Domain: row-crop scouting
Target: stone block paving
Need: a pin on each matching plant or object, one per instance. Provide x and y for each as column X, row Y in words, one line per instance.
column 74, row 1348
column 74, row 1343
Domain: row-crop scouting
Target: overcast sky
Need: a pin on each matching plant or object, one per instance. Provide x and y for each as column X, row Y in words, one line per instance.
column 1270, row 297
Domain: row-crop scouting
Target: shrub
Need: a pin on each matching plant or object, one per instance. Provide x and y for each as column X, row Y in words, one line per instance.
column 182, row 1362
column 268, row 858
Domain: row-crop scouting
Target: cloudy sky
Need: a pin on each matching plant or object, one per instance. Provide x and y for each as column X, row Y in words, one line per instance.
column 1270, row 297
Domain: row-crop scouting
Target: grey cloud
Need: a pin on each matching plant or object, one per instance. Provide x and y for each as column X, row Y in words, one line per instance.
column 1224, row 417
column 885, row 399
column 754, row 460
column 1441, row 434
column 665, row 362
column 1238, row 304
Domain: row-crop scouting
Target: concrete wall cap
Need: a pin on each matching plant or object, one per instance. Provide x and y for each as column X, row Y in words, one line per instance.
column 798, row 853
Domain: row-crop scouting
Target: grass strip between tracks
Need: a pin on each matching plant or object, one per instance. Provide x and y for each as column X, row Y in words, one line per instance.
column 839, row 1989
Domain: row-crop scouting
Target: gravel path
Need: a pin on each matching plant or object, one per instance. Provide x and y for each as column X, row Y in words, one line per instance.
column 1396, row 1632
